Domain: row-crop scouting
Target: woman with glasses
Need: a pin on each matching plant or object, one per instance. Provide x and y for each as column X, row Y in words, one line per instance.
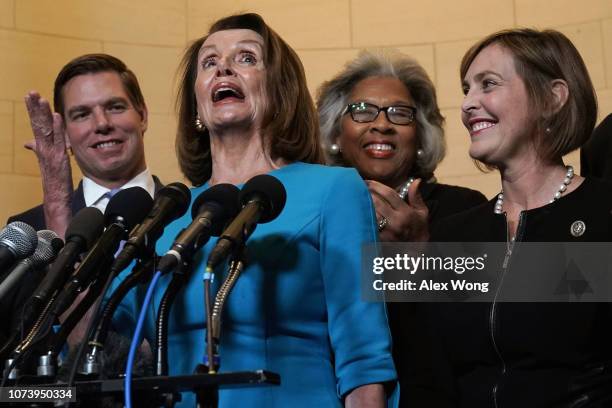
column 380, row 116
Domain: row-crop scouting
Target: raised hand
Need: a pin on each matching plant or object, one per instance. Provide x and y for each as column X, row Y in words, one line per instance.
column 50, row 147
column 405, row 221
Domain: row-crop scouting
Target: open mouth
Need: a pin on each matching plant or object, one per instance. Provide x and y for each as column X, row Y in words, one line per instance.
column 106, row 144
column 225, row 92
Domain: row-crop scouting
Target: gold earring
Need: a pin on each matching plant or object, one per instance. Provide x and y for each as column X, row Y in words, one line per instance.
column 199, row 125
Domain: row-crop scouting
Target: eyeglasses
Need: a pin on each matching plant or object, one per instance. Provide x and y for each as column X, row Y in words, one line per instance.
column 363, row 112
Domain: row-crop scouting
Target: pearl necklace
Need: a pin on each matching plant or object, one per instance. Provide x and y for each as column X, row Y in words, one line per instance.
column 403, row 191
column 569, row 175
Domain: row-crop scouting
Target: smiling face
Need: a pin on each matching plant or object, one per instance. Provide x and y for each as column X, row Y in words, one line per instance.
column 103, row 128
column 230, row 83
column 496, row 109
column 379, row 150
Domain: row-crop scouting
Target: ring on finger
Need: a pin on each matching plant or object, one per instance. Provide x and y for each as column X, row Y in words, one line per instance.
column 382, row 223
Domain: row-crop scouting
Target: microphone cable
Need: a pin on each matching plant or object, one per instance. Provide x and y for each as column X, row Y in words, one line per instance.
column 127, row 388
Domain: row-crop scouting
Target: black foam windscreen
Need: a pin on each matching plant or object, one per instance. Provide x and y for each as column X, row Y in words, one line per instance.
column 57, row 244
column 270, row 191
column 224, row 198
column 180, row 195
column 87, row 224
column 131, row 205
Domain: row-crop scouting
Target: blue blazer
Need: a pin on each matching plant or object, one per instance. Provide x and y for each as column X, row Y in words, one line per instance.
column 296, row 309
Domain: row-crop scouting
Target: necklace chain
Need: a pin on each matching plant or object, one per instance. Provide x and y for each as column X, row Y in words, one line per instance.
column 403, row 191
column 569, row 175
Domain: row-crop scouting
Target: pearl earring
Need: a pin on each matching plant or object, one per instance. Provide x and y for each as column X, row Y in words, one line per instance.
column 199, row 125
column 334, row 149
column 420, row 152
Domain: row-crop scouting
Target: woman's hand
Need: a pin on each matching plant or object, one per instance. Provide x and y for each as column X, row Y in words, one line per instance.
column 366, row 396
column 50, row 148
column 405, row 221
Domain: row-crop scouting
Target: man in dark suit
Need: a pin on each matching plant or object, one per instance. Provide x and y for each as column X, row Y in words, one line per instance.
column 101, row 117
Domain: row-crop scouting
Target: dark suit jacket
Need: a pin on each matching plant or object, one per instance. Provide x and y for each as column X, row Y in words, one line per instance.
column 442, row 201
column 534, row 354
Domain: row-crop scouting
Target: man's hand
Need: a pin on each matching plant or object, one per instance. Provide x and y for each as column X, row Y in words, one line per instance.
column 405, row 221
column 50, row 148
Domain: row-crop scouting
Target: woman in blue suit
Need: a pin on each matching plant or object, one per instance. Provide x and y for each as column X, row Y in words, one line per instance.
column 296, row 309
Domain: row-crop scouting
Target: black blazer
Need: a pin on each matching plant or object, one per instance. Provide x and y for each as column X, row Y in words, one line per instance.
column 528, row 355
column 442, row 201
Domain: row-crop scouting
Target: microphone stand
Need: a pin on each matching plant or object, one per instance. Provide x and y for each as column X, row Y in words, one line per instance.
column 142, row 272
column 47, row 362
column 179, row 278
column 95, row 316
column 235, row 269
column 209, row 397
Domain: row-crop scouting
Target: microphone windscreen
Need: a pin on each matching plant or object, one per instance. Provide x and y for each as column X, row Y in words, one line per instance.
column 224, row 199
column 57, row 244
column 180, row 195
column 270, row 191
column 45, row 251
column 131, row 204
column 20, row 238
column 87, row 224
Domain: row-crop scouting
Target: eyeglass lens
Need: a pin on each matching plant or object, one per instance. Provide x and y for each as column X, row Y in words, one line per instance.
column 367, row 112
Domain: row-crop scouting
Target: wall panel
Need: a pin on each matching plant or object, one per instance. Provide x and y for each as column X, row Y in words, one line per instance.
column 7, row 13
column 37, row 37
column 160, row 22
column 398, row 22
column 302, row 23
column 6, row 137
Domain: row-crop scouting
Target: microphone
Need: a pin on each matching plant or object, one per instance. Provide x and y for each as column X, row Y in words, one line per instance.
column 170, row 203
column 125, row 210
column 48, row 246
column 210, row 212
column 84, row 229
column 17, row 241
column 263, row 198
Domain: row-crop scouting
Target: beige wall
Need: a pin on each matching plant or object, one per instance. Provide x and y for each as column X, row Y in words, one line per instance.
column 38, row 36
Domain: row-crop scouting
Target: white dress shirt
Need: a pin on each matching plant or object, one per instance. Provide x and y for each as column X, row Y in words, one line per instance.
column 95, row 194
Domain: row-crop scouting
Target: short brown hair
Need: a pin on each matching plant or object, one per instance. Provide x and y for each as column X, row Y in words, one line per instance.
column 541, row 57
column 94, row 63
column 290, row 128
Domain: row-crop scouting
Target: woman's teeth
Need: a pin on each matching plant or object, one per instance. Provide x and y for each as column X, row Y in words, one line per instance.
column 379, row 147
column 481, row 125
column 106, row 144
